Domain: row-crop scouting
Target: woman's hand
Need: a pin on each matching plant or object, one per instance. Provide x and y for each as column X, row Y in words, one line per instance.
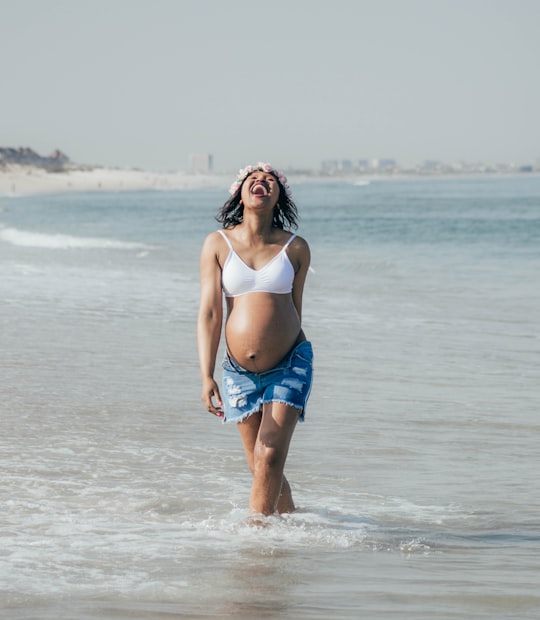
column 210, row 391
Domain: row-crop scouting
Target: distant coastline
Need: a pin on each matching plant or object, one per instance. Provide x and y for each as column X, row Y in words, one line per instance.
column 17, row 179
column 23, row 171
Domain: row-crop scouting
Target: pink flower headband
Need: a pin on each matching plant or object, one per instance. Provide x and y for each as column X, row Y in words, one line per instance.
column 245, row 172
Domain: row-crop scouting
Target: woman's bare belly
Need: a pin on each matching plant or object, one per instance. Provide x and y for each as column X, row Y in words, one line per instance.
column 261, row 328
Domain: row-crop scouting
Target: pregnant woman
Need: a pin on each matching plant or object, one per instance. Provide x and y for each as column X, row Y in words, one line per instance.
column 260, row 266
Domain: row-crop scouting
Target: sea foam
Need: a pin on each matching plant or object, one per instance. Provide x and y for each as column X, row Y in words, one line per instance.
column 57, row 241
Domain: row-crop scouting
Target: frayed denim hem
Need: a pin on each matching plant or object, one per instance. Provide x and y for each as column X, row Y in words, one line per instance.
column 301, row 410
column 243, row 417
column 247, row 414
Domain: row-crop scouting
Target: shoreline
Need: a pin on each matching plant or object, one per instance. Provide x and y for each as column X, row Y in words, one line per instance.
column 18, row 180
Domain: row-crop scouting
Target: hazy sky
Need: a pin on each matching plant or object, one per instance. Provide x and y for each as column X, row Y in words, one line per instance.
column 147, row 82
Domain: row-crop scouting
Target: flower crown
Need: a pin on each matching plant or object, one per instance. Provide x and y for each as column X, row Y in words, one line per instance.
column 245, row 172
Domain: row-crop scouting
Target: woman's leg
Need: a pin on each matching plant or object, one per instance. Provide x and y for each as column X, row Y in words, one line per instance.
column 266, row 437
column 285, row 502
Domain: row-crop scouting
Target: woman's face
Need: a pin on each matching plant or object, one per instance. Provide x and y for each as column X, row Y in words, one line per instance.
column 260, row 189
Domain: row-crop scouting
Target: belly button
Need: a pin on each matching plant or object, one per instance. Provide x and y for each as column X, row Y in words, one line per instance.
column 252, row 356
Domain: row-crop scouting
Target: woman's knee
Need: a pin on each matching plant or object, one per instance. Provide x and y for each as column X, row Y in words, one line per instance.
column 269, row 456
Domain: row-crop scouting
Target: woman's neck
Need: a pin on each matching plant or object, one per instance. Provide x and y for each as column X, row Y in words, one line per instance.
column 256, row 225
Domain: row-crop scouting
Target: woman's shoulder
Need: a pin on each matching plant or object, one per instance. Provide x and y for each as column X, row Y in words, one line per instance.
column 217, row 236
column 214, row 242
column 297, row 241
column 298, row 249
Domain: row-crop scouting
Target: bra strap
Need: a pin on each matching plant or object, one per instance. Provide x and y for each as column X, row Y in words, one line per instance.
column 226, row 239
column 290, row 239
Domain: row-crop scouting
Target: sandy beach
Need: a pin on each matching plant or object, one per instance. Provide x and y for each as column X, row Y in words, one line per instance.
column 24, row 180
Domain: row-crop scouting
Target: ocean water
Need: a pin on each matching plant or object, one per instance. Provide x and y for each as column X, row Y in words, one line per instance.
column 415, row 473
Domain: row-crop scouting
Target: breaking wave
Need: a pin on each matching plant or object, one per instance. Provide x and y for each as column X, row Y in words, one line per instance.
column 57, row 241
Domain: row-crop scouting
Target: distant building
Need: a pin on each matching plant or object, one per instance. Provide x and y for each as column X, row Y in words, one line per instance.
column 386, row 164
column 430, row 165
column 349, row 166
column 337, row 165
column 329, row 165
column 362, row 164
column 201, row 164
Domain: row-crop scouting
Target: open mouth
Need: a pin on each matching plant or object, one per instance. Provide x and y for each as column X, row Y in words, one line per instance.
column 259, row 188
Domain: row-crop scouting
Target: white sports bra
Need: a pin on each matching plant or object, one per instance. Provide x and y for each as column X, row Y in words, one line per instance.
column 276, row 276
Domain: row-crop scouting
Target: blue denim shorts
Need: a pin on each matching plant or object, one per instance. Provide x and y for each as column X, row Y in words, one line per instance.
column 245, row 392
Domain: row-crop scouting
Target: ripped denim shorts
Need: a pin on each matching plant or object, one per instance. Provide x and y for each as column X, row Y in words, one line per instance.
column 289, row 382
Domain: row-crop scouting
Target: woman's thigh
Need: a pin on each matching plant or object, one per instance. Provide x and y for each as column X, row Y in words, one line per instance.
column 273, row 427
column 249, row 430
column 277, row 426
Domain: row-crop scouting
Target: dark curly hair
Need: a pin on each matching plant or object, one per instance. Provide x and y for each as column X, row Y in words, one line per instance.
column 285, row 211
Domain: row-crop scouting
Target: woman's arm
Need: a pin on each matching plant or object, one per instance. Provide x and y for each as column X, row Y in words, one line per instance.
column 301, row 257
column 209, row 322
